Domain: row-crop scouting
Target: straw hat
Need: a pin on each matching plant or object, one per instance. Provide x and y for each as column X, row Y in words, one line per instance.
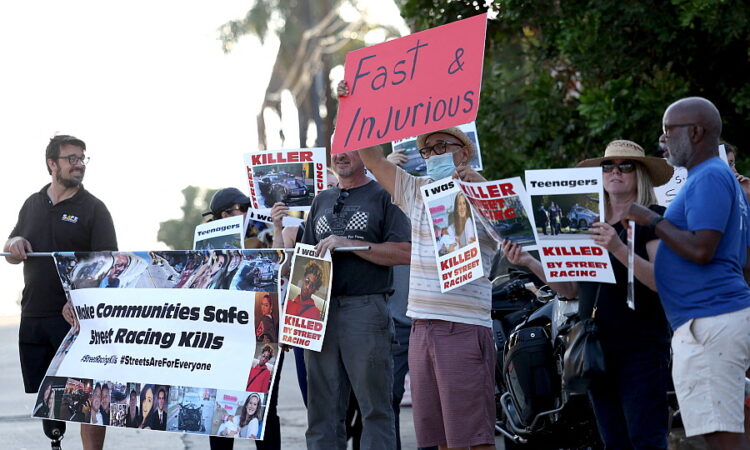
column 453, row 131
column 657, row 168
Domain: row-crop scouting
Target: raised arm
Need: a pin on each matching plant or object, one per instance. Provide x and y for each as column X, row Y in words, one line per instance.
column 384, row 170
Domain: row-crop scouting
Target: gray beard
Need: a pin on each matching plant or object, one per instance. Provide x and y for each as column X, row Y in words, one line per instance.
column 679, row 151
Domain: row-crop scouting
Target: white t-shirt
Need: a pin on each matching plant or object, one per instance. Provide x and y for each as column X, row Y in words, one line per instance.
column 465, row 238
column 251, row 429
column 470, row 303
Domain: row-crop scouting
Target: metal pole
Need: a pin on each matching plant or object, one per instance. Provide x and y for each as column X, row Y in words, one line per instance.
column 364, row 248
column 31, row 254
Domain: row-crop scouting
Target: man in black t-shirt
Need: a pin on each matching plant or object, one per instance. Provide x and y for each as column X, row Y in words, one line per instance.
column 356, row 353
column 62, row 216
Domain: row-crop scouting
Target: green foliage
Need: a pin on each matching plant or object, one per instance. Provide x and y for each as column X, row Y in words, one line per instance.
column 563, row 78
column 178, row 233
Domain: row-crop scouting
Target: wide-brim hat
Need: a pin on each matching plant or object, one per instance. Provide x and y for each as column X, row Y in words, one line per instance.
column 657, row 168
column 453, row 131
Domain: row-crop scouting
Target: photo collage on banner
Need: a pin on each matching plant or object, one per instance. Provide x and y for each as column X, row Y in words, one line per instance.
column 293, row 177
column 502, row 207
column 454, row 234
column 306, row 302
column 417, row 166
column 566, row 202
column 201, row 329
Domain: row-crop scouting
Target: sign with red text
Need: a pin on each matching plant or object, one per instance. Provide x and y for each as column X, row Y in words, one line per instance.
column 567, row 202
column 307, row 299
column 292, row 177
column 405, row 87
column 454, row 234
column 503, row 207
column 177, row 333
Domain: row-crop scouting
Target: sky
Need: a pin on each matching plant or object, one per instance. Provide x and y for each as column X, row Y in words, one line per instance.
column 147, row 86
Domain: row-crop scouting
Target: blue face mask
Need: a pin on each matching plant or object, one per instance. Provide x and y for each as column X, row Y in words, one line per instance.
column 440, row 166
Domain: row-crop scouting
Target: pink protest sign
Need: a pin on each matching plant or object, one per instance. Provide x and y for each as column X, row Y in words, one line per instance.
column 422, row 82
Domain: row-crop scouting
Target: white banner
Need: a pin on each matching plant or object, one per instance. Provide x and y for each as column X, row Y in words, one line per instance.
column 181, row 331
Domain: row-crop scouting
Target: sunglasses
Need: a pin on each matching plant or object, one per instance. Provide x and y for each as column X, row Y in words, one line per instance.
column 343, row 194
column 237, row 207
column 626, row 167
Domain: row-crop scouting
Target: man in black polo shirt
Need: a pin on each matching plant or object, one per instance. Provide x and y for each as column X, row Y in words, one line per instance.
column 62, row 216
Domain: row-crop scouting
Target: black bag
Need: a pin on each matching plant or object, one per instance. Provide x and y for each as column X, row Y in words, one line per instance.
column 530, row 372
column 584, row 357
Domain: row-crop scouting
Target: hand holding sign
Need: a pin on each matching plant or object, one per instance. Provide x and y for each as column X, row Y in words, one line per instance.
column 606, row 236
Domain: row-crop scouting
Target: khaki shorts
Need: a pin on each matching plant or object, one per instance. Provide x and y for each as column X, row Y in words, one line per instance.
column 710, row 357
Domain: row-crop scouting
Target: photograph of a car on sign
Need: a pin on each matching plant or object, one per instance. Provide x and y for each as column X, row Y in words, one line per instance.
column 565, row 216
column 291, row 184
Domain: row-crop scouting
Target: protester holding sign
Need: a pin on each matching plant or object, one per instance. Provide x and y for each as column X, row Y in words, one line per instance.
column 228, row 203
column 359, row 331
column 62, row 216
column 451, row 349
column 702, row 273
column 630, row 401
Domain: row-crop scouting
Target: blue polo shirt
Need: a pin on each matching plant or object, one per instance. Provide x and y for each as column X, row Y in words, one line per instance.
column 710, row 200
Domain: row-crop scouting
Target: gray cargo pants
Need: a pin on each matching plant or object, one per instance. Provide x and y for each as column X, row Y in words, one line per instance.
column 356, row 355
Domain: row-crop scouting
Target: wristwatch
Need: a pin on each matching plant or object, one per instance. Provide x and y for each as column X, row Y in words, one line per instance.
column 654, row 223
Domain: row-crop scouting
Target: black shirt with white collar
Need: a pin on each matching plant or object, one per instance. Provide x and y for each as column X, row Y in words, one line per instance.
column 79, row 223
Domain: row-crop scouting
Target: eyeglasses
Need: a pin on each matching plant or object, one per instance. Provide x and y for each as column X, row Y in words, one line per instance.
column 626, row 167
column 75, row 159
column 309, row 281
column 665, row 128
column 343, row 194
column 439, row 148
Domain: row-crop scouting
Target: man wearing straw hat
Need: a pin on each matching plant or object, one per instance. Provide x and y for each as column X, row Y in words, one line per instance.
column 62, row 216
column 700, row 271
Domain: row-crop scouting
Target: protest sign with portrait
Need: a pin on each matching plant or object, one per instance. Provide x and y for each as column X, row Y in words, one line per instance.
column 566, row 203
column 153, row 352
column 292, row 177
column 454, row 235
column 404, row 87
column 306, row 303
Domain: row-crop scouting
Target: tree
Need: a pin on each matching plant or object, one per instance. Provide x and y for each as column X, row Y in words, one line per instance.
column 562, row 78
column 314, row 38
column 178, row 233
